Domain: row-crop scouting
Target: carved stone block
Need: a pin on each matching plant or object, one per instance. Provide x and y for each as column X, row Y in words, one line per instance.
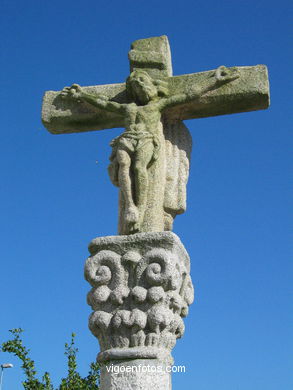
column 141, row 290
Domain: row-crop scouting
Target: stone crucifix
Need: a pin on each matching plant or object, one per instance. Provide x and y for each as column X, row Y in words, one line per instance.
column 150, row 159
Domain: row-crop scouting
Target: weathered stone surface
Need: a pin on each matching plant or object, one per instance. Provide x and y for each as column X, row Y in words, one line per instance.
column 141, row 290
column 139, row 374
column 249, row 92
column 61, row 116
column 152, row 55
column 150, row 159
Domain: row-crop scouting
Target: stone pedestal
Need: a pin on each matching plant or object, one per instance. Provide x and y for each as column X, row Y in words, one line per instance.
column 139, row 374
column 141, row 290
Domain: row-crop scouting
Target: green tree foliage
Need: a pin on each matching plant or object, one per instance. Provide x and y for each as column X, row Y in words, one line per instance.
column 73, row 381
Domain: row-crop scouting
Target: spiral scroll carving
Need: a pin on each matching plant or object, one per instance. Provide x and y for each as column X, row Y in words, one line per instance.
column 138, row 297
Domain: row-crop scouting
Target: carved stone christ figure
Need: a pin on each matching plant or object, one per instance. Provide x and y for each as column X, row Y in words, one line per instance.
column 142, row 143
column 150, row 159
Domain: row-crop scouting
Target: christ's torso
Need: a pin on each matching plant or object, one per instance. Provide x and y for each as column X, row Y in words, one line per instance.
column 145, row 118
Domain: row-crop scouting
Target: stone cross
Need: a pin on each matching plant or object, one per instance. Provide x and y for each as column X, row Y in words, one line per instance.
column 141, row 284
column 150, row 159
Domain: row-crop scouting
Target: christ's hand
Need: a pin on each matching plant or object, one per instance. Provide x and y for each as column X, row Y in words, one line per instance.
column 73, row 92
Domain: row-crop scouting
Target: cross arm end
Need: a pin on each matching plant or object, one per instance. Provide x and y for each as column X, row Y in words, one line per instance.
column 248, row 92
column 61, row 116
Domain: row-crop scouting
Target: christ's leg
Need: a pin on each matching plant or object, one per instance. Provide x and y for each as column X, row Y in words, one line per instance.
column 142, row 160
column 131, row 211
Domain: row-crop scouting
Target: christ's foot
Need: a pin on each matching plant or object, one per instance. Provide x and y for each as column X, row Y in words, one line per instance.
column 133, row 228
column 132, row 219
column 131, row 214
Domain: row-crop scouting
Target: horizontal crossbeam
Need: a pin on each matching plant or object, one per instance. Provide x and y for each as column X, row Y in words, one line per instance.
column 249, row 92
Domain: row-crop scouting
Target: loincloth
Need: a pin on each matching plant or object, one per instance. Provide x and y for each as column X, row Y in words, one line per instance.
column 132, row 141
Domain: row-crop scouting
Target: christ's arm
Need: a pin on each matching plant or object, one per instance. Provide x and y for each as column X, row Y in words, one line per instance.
column 222, row 75
column 99, row 101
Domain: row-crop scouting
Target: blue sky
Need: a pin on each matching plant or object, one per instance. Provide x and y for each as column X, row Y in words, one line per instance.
column 56, row 195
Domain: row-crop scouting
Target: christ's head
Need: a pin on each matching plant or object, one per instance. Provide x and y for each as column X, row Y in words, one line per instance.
column 142, row 88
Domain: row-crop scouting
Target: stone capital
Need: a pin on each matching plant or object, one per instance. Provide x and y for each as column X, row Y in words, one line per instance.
column 141, row 290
